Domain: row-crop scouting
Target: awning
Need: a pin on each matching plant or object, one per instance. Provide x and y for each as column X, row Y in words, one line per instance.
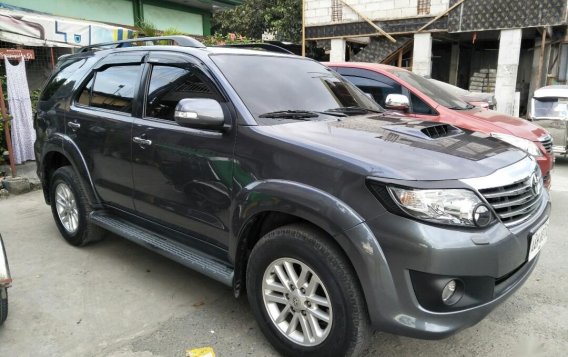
column 34, row 29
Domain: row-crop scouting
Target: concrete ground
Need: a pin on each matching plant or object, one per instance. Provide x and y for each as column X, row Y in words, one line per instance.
column 117, row 299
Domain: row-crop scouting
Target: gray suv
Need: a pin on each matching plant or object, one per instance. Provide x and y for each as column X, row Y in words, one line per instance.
column 275, row 176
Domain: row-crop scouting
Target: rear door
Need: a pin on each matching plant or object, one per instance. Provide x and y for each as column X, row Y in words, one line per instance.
column 100, row 123
column 182, row 176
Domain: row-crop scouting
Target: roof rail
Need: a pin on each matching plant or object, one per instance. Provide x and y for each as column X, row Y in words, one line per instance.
column 184, row 41
column 262, row 46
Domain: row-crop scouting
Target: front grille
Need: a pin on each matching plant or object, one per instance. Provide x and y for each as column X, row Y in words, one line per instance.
column 546, row 141
column 515, row 203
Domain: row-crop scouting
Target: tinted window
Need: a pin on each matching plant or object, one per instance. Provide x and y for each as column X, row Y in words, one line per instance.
column 114, row 88
column 419, row 106
column 85, row 96
column 432, row 90
column 267, row 84
column 60, row 76
column 379, row 90
column 169, row 85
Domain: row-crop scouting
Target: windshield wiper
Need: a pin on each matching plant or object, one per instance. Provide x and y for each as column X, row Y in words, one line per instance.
column 353, row 110
column 468, row 107
column 290, row 114
column 298, row 114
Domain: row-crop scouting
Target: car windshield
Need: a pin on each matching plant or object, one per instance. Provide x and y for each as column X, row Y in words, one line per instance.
column 550, row 107
column 271, row 86
column 432, row 90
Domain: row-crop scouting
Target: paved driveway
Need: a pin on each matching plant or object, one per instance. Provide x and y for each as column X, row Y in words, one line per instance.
column 117, row 299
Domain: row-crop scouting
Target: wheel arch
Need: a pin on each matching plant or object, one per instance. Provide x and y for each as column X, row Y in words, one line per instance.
column 266, row 205
column 61, row 151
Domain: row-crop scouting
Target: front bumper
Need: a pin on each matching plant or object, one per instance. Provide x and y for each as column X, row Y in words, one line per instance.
column 546, row 164
column 5, row 278
column 496, row 254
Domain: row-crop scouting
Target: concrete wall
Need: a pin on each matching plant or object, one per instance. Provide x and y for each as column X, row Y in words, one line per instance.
column 160, row 13
column 318, row 12
column 113, row 11
column 165, row 18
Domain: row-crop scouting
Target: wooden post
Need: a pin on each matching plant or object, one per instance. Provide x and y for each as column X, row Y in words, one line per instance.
column 541, row 59
column 7, row 131
column 380, row 30
column 304, row 28
column 400, row 54
column 52, row 58
column 440, row 16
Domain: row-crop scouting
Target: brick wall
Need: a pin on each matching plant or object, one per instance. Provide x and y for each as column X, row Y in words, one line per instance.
column 319, row 12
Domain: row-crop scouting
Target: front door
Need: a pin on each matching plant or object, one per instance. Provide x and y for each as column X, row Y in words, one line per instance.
column 100, row 123
column 182, row 176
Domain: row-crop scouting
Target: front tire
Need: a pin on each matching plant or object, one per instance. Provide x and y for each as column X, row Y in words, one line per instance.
column 71, row 209
column 305, row 295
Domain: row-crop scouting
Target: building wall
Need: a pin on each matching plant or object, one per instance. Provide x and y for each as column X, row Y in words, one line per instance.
column 162, row 14
column 165, row 18
column 111, row 11
column 319, row 12
column 480, row 15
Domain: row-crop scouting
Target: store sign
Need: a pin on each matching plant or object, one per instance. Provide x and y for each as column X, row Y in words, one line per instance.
column 32, row 29
column 12, row 53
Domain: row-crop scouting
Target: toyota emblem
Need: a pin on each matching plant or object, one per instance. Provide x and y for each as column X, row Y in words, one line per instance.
column 535, row 184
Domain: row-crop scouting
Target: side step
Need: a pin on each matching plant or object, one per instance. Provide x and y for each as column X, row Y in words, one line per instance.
column 172, row 249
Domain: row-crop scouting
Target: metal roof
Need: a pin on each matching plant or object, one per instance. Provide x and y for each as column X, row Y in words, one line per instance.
column 559, row 91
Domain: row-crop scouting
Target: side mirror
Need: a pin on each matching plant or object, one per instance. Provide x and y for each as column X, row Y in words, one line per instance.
column 397, row 102
column 199, row 113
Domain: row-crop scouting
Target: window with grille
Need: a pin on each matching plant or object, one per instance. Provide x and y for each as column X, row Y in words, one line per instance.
column 423, row 7
column 336, row 11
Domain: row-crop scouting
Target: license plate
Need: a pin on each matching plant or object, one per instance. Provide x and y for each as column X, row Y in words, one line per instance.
column 538, row 240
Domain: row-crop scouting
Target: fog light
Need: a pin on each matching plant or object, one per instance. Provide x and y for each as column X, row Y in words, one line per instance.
column 449, row 292
column 482, row 216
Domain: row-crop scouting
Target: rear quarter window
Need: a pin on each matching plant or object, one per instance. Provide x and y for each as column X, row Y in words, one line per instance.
column 56, row 86
column 112, row 88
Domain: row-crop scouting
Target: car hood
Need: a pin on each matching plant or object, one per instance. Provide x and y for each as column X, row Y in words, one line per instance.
column 492, row 121
column 401, row 148
column 478, row 97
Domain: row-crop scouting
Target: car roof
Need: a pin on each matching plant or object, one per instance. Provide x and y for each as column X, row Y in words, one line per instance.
column 552, row 91
column 365, row 65
column 196, row 51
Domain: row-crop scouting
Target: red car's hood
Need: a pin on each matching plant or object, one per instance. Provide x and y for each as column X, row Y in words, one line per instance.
column 492, row 121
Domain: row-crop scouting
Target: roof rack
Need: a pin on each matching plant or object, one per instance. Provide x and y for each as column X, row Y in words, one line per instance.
column 184, row 41
column 263, row 46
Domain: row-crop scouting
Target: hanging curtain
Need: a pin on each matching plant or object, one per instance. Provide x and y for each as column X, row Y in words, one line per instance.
column 20, row 106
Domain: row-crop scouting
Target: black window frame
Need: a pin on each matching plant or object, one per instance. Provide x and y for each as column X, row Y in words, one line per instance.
column 188, row 65
column 93, row 76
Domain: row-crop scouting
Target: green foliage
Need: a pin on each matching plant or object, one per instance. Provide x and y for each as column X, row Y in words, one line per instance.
column 146, row 29
column 218, row 39
column 254, row 17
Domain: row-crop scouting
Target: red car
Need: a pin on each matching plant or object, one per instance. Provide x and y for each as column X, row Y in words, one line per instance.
column 427, row 101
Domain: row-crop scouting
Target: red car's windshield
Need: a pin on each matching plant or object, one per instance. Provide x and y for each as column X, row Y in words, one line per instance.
column 437, row 93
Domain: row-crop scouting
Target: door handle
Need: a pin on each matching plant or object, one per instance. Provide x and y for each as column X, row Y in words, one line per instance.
column 73, row 125
column 142, row 141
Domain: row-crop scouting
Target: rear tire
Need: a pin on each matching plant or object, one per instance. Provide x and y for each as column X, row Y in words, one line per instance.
column 3, row 305
column 305, row 295
column 71, row 209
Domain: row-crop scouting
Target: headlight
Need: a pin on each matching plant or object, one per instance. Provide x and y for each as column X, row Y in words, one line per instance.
column 452, row 206
column 523, row 144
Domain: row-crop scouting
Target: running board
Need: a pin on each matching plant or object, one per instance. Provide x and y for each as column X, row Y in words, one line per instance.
column 167, row 247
